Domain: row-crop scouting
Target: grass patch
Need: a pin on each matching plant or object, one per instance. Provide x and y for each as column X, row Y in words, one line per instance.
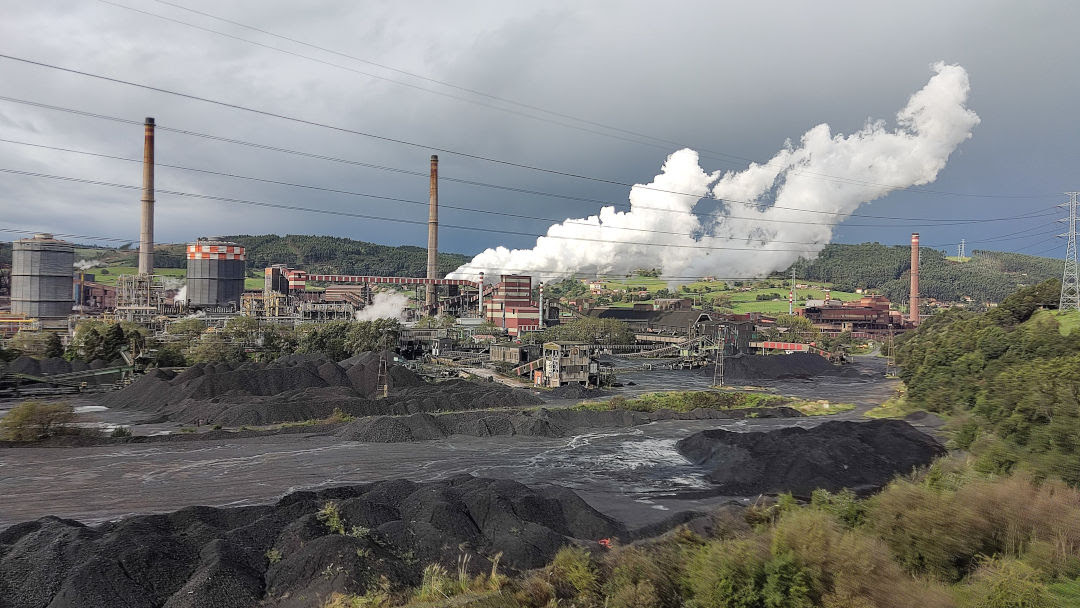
column 1068, row 320
column 686, row 401
column 1067, row 593
column 114, row 272
column 895, row 407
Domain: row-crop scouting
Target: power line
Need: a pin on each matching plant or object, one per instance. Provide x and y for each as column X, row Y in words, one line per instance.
column 621, row 276
column 292, row 207
column 921, row 221
column 411, row 143
column 663, row 143
column 377, row 196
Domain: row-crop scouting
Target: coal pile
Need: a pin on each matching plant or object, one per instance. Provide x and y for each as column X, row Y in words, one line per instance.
column 779, row 367
column 53, row 366
column 574, row 391
column 539, row 422
column 862, row 456
column 301, row 387
column 286, row 554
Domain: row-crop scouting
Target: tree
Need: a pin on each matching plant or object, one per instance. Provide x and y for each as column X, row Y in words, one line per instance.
column 31, row 420
column 112, row 342
column 216, row 348
column 53, row 346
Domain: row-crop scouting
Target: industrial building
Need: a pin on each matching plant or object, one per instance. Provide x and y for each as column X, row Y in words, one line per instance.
column 567, row 363
column 865, row 318
column 511, row 306
column 41, row 279
column 215, row 273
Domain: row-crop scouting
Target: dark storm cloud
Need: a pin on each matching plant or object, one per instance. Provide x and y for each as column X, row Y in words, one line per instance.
column 728, row 79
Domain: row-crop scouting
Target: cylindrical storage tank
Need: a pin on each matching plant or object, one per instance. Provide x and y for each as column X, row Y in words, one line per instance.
column 42, row 277
column 215, row 273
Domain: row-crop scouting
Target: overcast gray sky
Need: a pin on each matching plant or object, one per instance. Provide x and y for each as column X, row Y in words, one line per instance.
column 731, row 80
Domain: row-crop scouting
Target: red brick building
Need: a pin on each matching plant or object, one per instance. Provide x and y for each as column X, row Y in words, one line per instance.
column 511, row 305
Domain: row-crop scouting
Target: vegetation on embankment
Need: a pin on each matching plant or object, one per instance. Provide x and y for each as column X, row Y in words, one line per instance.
column 896, row 406
column 686, row 401
column 952, row 538
column 1008, row 377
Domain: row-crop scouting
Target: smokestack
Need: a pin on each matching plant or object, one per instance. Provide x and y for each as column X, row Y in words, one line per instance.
column 146, row 236
column 433, row 231
column 914, row 313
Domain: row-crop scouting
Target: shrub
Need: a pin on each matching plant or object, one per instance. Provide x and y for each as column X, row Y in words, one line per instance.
column 32, row 420
column 728, row 574
column 929, row 532
column 635, row 580
column 435, row 584
column 273, row 556
column 573, row 573
column 121, row 431
column 1007, row 583
column 330, row 515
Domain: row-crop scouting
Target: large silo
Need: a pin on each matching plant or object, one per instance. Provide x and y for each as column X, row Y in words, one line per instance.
column 215, row 273
column 42, row 277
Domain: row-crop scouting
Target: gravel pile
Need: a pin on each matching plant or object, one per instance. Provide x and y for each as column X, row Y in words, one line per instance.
column 529, row 423
column 779, row 367
column 202, row 556
column 301, row 387
column 862, row 456
column 574, row 391
column 55, row 365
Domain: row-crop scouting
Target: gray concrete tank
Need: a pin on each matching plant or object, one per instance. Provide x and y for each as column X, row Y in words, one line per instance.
column 42, row 270
column 215, row 273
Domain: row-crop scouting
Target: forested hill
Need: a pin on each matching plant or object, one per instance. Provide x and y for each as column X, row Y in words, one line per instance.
column 987, row 276
column 328, row 254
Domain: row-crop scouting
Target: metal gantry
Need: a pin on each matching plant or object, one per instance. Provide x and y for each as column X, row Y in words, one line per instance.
column 1070, row 281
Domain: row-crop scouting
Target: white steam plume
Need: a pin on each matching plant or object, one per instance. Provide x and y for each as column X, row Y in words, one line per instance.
column 826, row 173
column 384, row 305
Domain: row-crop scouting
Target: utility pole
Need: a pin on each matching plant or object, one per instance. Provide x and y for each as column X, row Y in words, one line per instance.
column 1070, row 282
column 960, row 251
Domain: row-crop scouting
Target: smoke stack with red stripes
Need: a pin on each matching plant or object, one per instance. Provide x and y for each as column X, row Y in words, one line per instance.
column 433, row 231
column 146, row 235
column 914, row 313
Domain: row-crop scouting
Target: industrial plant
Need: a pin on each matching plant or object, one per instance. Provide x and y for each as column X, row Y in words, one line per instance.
column 493, row 317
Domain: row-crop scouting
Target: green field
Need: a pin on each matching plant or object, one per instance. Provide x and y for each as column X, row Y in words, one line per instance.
column 746, row 301
column 741, row 301
column 114, row 273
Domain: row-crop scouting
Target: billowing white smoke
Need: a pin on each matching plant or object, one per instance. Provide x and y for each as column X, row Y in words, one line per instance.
column 384, row 305
column 812, row 188
column 86, row 264
column 181, row 294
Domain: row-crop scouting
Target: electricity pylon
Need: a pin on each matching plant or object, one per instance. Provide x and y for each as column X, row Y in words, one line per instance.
column 1070, row 282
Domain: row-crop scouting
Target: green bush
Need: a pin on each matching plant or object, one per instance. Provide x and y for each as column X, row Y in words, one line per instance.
column 573, row 572
column 1007, row 583
column 32, row 420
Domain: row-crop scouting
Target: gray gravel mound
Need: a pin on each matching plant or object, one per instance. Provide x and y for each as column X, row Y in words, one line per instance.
column 862, row 456
column 302, row 387
column 778, row 367
column 201, row 556
column 540, row 422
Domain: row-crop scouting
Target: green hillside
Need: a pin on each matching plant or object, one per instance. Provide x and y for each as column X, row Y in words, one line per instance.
column 986, row 276
column 340, row 255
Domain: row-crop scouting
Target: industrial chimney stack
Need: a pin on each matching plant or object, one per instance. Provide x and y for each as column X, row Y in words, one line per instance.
column 914, row 313
column 433, row 231
column 146, row 236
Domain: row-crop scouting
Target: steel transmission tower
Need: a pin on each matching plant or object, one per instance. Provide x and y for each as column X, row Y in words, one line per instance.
column 1070, row 282
column 960, row 251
